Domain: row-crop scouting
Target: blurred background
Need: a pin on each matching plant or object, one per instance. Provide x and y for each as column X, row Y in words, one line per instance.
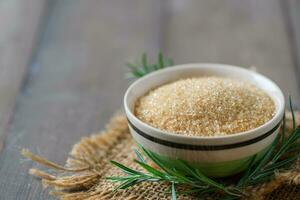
column 62, row 63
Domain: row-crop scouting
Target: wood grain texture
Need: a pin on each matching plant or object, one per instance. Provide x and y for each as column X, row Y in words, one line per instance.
column 243, row 33
column 291, row 8
column 19, row 22
column 76, row 82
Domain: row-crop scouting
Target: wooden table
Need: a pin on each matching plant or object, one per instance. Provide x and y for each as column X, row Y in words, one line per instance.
column 62, row 63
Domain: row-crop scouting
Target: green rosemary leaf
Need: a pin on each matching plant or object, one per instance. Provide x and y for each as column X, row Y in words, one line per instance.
column 126, row 184
column 245, row 176
column 199, row 176
column 279, row 165
column 265, row 158
column 155, row 160
column 261, row 179
column 294, row 148
column 283, row 129
column 292, row 110
column 215, row 184
column 126, row 169
column 235, row 189
column 171, row 170
column 144, row 62
column 160, row 62
column 192, row 173
column 173, row 191
column 291, row 140
column 181, row 178
column 168, row 169
column 151, row 170
column 188, row 169
column 209, row 181
column 122, row 178
column 262, row 175
column 135, row 70
column 139, row 156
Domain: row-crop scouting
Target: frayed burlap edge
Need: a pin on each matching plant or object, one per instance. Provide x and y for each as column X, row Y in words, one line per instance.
column 83, row 176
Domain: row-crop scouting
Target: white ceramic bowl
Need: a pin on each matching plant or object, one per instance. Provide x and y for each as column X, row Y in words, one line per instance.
column 217, row 156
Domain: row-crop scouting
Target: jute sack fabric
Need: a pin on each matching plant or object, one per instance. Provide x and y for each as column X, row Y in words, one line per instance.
column 83, row 176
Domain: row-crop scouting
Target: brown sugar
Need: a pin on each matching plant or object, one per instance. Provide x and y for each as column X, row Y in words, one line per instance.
column 205, row 106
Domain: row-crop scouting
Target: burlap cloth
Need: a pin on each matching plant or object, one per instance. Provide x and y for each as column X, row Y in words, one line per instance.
column 83, row 176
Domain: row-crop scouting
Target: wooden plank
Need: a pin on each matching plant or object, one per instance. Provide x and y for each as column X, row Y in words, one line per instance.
column 291, row 9
column 19, row 22
column 76, row 82
column 243, row 33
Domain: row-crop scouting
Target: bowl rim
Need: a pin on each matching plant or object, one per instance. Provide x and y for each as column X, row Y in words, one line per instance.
column 268, row 125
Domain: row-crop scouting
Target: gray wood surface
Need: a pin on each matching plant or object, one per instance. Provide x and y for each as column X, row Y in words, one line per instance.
column 19, row 22
column 75, row 81
column 243, row 33
column 291, row 9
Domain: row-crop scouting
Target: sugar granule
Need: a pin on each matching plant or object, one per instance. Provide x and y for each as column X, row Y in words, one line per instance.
column 205, row 106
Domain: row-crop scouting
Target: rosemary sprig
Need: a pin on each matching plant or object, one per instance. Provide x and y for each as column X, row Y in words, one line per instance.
column 191, row 177
column 139, row 70
column 281, row 155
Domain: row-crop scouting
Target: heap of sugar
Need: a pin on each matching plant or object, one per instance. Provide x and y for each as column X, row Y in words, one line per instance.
column 205, row 106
